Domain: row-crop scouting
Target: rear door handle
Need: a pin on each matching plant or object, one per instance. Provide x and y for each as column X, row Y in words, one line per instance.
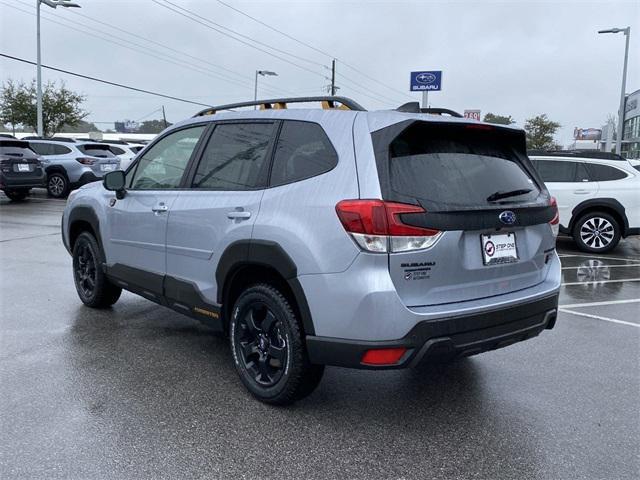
column 238, row 214
column 160, row 208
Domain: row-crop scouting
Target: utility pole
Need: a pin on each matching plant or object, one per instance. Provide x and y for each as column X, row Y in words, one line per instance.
column 164, row 117
column 333, row 77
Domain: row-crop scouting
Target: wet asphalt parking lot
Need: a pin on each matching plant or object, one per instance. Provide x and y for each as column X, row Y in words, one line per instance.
column 139, row 391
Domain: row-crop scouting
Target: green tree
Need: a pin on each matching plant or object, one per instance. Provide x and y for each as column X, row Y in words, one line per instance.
column 540, row 131
column 60, row 106
column 499, row 119
column 152, row 126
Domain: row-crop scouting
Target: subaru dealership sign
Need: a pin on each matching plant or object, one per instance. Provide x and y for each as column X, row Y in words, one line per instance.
column 426, row 81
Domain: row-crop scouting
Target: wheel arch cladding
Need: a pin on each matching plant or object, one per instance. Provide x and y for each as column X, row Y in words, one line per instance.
column 266, row 256
column 607, row 205
column 81, row 219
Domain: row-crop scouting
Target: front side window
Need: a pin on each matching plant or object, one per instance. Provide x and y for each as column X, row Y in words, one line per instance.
column 303, row 151
column 162, row 166
column 235, row 157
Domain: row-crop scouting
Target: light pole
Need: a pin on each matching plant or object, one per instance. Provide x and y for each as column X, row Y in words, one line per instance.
column 627, row 33
column 52, row 4
column 264, row 73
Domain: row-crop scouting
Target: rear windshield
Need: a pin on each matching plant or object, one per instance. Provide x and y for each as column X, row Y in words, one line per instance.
column 16, row 148
column 450, row 167
column 96, row 150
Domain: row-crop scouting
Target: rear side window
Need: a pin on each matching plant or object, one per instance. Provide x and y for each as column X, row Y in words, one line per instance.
column 449, row 167
column 117, row 150
column 235, row 157
column 561, row 171
column 303, row 151
column 100, row 151
column 604, row 173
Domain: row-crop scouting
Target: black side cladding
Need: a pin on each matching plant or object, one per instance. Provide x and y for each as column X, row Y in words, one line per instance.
column 488, row 143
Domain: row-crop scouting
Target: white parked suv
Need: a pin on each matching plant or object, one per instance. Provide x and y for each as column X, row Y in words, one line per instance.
column 598, row 196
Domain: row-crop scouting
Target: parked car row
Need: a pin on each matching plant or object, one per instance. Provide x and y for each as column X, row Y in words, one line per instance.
column 58, row 164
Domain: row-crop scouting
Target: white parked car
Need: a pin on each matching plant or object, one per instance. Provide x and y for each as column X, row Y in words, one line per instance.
column 598, row 196
column 125, row 152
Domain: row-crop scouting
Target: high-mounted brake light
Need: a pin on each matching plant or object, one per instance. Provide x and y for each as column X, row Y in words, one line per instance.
column 555, row 221
column 376, row 226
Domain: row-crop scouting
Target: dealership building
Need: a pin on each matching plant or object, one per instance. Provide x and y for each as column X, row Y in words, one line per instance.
column 631, row 128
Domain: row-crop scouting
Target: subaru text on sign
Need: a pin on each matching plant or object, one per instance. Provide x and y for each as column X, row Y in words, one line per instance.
column 425, row 81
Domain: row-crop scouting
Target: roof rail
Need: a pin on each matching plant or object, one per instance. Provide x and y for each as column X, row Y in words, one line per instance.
column 414, row 107
column 576, row 153
column 328, row 103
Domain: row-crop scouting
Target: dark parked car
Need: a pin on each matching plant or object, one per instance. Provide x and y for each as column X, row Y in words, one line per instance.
column 20, row 169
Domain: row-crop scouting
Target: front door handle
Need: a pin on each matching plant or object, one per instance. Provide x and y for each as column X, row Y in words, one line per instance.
column 581, row 192
column 238, row 214
column 160, row 208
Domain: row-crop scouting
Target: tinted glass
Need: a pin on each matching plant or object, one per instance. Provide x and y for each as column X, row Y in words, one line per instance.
column 235, row 157
column 446, row 167
column 117, row 150
column 16, row 148
column 303, row 151
column 135, row 149
column 59, row 149
column 604, row 173
column 162, row 166
column 560, row 171
column 100, row 151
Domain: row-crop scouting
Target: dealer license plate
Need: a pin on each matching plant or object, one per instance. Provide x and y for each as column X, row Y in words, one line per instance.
column 499, row 248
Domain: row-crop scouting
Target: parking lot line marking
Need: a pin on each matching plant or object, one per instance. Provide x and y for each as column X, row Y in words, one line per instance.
column 599, row 304
column 633, row 259
column 598, row 317
column 604, row 281
column 601, row 266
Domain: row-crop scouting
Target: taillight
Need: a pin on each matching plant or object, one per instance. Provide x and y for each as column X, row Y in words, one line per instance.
column 376, row 226
column 85, row 160
column 555, row 221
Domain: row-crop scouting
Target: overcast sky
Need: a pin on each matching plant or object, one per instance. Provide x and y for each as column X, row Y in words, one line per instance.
column 520, row 58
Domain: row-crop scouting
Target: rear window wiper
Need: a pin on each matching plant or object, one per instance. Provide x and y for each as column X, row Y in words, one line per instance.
column 511, row 193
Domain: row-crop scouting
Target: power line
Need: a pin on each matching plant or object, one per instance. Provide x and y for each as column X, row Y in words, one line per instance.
column 297, row 40
column 201, row 20
column 145, row 50
column 87, row 77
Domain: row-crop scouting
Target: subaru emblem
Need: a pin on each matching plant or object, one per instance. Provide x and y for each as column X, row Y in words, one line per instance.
column 507, row 217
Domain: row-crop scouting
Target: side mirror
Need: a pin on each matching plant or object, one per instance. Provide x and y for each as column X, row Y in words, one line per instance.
column 114, row 182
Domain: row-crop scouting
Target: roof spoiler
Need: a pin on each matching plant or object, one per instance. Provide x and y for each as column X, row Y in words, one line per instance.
column 327, row 102
column 414, row 107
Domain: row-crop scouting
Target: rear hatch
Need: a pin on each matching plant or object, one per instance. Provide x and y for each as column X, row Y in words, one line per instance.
column 477, row 193
column 99, row 157
column 18, row 161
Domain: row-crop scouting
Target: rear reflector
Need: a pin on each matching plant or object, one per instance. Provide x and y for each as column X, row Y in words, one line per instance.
column 383, row 356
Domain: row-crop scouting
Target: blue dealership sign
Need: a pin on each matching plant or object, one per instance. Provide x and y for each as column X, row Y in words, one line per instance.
column 429, row 81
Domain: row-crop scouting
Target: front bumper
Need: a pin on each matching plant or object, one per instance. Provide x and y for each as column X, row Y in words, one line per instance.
column 446, row 338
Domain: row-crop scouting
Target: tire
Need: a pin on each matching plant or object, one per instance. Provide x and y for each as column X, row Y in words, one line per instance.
column 93, row 287
column 596, row 232
column 17, row 195
column 268, row 347
column 57, row 185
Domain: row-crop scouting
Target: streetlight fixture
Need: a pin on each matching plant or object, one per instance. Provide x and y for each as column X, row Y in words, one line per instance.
column 52, row 4
column 263, row 73
column 627, row 33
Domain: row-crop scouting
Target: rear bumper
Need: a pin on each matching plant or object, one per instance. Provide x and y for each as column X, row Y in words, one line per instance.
column 445, row 338
column 86, row 177
column 16, row 182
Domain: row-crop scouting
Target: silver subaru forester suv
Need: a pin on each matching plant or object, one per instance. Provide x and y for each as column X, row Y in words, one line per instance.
column 332, row 236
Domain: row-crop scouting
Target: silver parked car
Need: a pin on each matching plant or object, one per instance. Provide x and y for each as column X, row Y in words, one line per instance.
column 70, row 165
column 373, row 240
